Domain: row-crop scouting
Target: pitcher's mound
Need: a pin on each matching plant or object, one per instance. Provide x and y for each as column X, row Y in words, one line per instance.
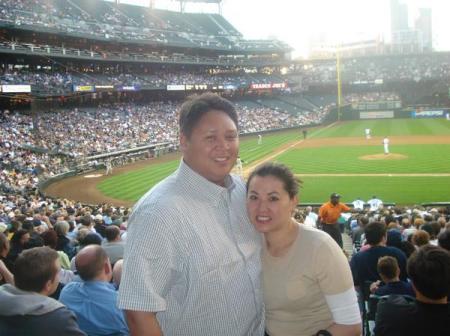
column 390, row 156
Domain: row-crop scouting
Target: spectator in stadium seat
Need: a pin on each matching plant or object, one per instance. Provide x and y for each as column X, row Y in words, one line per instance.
column 420, row 238
column 408, row 229
column 310, row 217
column 302, row 266
column 429, row 314
column 26, row 308
column 359, row 231
column 64, row 243
column 329, row 214
column 18, row 244
column 186, row 238
column 364, row 263
column 5, row 273
column 113, row 245
column 117, row 273
column 444, row 239
column 94, row 300
column 390, row 279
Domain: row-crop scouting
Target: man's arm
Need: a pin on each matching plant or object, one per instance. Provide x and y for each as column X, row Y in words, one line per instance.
column 143, row 323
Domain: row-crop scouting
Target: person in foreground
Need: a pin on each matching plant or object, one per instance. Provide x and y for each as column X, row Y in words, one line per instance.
column 94, row 300
column 192, row 258
column 429, row 271
column 307, row 282
column 26, row 309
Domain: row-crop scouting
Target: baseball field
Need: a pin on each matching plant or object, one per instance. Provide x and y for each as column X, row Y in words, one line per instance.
column 335, row 158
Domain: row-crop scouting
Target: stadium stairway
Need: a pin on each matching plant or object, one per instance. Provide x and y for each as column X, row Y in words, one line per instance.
column 348, row 245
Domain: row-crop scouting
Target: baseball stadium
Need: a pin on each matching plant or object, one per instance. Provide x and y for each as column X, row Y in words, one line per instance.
column 98, row 120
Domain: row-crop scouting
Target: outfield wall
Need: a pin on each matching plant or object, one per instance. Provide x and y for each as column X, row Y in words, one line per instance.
column 348, row 113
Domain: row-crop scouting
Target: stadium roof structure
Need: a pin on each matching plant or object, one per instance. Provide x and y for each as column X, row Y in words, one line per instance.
column 183, row 3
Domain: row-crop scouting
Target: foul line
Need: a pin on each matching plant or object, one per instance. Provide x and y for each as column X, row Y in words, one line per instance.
column 264, row 160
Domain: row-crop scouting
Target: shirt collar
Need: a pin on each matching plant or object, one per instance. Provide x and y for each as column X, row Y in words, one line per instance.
column 199, row 185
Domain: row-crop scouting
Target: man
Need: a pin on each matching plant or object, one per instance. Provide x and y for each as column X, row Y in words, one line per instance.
column 364, row 263
column 114, row 245
column 239, row 166
column 305, row 133
column 310, row 217
column 367, row 131
column 374, row 203
column 329, row 214
column 429, row 314
column 192, row 258
column 358, row 204
column 390, row 276
column 27, row 309
column 94, row 300
column 358, row 232
column 386, row 145
column 109, row 167
column 259, row 139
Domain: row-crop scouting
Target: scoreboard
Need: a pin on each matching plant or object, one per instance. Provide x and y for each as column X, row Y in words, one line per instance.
column 377, row 105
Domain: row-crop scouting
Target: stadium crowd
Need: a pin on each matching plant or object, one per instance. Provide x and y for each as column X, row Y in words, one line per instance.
column 375, row 70
column 64, row 81
column 73, row 229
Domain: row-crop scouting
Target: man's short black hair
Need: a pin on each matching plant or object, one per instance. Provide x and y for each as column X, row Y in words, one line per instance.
column 34, row 268
column 429, row 270
column 375, row 232
column 112, row 232
column 196, row 107
column 444, row 239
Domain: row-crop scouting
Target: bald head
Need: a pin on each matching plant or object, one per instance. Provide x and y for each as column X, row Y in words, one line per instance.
column 92, row 263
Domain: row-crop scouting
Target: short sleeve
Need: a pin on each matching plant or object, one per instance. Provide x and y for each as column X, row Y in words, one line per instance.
column 344, row 207
column 152, row 262
column 332, row 268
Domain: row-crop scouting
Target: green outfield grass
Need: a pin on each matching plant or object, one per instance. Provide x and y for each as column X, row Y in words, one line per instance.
column 388, row 127
column 340, row 160
column 420, row 159
column 400, row 190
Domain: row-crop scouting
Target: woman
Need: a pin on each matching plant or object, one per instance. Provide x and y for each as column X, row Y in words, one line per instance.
column 307, row 282
column 63, row 242
column 18, row 242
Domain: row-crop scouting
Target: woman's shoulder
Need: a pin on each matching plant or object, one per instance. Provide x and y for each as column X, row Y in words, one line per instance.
column 312, row 236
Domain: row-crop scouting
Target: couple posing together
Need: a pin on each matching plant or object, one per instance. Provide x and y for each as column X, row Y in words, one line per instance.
column 197, row 264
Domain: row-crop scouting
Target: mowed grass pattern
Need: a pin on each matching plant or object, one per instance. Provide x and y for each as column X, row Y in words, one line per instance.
column 399, row 190
column 344, row 160
column 388, row 127
column 340, row 160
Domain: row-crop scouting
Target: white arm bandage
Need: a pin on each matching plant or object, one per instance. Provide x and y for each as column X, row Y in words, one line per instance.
column 344, row 307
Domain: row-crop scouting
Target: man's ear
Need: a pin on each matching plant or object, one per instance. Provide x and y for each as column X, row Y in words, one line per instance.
column 107, row 266
column 48, row 287
column 183, row 141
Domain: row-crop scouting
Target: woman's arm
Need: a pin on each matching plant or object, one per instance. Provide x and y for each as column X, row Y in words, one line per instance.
column 346, row 314
column 6, row 274
column 345, row 330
